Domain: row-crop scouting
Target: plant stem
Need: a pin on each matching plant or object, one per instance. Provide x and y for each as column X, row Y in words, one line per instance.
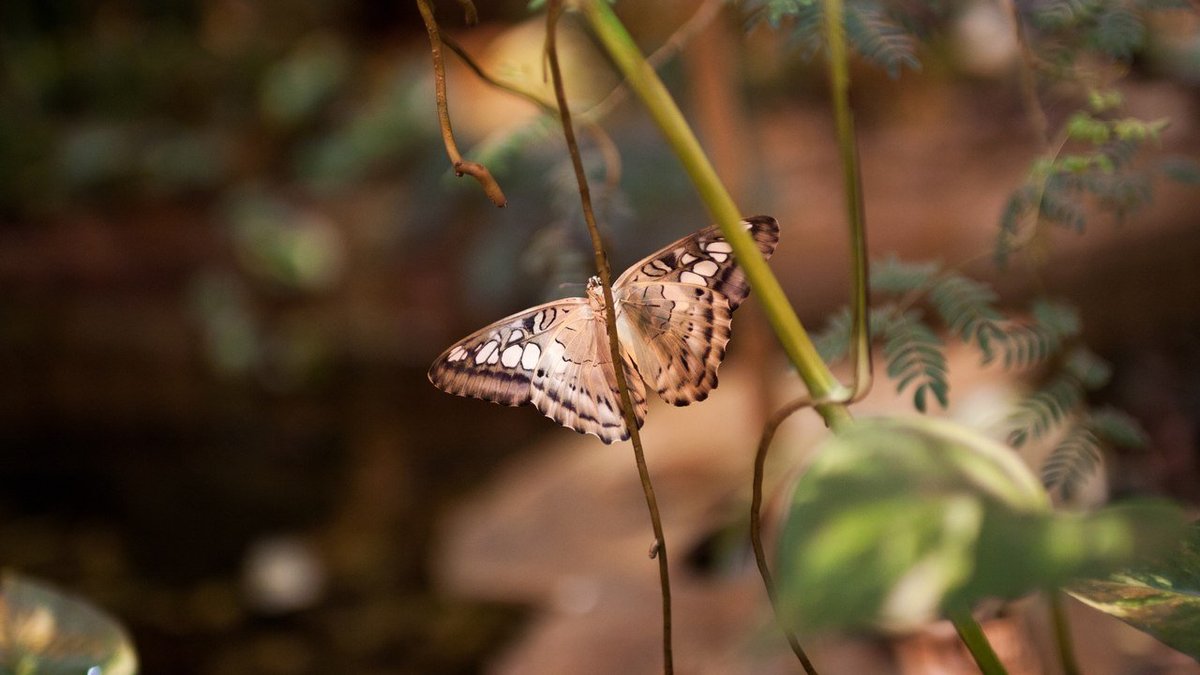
column 821, row 383
column 1062, row 633
column 760, row 556
column 972, row 636
column 659, row 548
column 461, row 166
column 839, row 80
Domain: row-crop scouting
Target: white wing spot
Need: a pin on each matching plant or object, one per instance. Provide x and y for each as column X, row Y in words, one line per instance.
column 688, row 259
column 487, row 351
column 516, row 334
column 457, row 354
column 718, row 247
column 511, row 356
column 718, row 256
column 529, row 357
column 693, row 278
column 705, row 268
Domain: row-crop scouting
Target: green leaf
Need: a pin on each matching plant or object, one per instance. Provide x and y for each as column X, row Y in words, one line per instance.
column 1160, row 597
column 48, row 632
column 895, row 519
column 1045, row 409
column 1072, row 461
column 914, row 356
column 1117, row 428
column 1081, row 450
column 879, row 38
column 892, row 275
column 1183, row 170
column 964, row 304
column 870, row 29
column 1119, row 32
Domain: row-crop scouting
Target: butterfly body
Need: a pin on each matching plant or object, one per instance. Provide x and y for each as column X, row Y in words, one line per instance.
column 673, row 314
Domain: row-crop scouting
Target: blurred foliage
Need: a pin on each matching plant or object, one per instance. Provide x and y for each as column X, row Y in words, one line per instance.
column 46, row 632
column 968, row 309
column 882, row 32
column 1043, row 342
column 895, row 520
column 1096, row 164
column 109, row 101
column 1160, row 596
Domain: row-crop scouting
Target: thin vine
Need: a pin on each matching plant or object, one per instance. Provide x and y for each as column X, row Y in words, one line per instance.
column 659, row 548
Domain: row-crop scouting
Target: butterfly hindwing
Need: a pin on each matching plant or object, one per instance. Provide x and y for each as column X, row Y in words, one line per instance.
column 678, row 333
column 576, row 385
column 704, row 258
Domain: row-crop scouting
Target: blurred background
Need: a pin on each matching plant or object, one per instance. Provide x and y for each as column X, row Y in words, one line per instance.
column 231, row 244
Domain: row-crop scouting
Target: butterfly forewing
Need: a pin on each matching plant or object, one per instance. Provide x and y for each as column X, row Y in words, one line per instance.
column 705, row 259
column 497, row 363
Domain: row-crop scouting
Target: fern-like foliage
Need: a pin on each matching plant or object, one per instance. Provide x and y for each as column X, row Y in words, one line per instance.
column 1076, row 457
column 1059, row 398
column 1101, row 171
column 1065, row 30
column 1072, row 462
column 966, row 307
column 833, row 340
column 914, row 357
column 881, row 32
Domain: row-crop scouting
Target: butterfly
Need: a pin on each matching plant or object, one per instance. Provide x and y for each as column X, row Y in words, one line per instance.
column 673, row 316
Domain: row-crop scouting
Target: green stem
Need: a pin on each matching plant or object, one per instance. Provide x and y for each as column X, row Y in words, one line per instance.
column 839, row 79
column 1062, row 633
column 972, row 636
column 642, row 79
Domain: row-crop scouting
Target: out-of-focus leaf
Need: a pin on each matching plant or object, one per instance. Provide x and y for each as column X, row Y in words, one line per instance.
column 896, row 519
column 293, row 89
column 48, row 632
column 1160, row 597
column 289, row 246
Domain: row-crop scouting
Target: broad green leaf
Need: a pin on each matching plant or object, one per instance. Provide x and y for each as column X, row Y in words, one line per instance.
column 1160, row 597
column 47, row 632
column 896, row 519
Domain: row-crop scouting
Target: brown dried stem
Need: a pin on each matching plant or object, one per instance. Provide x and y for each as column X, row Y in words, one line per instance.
column 461, row 166
column 604, row 142
column 659, row 547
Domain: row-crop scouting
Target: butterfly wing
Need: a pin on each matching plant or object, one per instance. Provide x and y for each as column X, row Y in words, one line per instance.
column 550, row 357
column 675, row 308
column 677, row 333
column 705, row 259
column 575, row 383
column 497, row 363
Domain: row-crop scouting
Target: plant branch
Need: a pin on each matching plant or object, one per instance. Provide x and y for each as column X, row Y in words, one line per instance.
column 760, row 556
column 461, row 166
column 604, row 143
column 821, row 383
column 703, row 16
column 972, row 636
column 659, row 548
column 1029, row 96
column 839, row 77
column 1062, row 633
